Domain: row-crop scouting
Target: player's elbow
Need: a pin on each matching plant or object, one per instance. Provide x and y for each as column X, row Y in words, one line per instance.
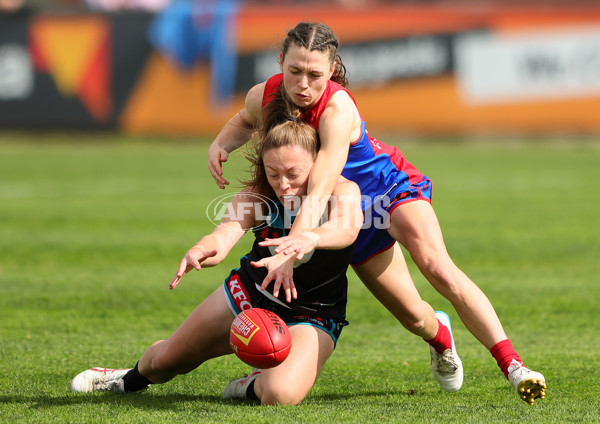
column 348, row 238
column 355, row 226
column 349, row 230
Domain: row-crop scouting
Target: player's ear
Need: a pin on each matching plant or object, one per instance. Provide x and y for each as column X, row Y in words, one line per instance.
column 332, row 70
column 281, row 61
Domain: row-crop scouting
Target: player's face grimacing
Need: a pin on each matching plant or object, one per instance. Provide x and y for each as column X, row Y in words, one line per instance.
column 287, row 171
column 305, row 75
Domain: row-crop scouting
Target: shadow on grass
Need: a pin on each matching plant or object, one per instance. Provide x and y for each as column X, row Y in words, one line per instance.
column 135, row 400
column 157, row 401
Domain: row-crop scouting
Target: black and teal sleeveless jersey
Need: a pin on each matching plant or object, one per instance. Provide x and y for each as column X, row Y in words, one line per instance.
column 320, row 279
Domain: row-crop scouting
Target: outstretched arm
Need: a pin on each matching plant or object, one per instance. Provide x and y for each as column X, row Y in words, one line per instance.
column 211, row 249
column 236, row 132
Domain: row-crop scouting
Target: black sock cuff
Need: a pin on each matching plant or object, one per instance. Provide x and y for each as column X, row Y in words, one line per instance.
column 133, row 381
column 250, row 393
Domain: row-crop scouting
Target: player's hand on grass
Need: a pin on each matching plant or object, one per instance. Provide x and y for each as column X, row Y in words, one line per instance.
column 192, row 260
column 216, row 156
column 302, row 244
column 280, row 269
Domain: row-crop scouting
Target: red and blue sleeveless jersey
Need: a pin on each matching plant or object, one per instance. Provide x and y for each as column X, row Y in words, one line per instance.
column 378, row 169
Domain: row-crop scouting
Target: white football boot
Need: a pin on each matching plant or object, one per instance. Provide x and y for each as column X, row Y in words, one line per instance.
column 447, row 367
column 236, row 389
column 530, row 385
column 99, row 380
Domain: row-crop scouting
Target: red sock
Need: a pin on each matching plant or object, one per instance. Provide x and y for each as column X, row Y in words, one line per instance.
column 504, row 353
column 442, row 339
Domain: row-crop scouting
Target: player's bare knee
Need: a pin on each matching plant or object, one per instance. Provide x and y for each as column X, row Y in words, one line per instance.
column 442, row 274
column 282, row 391
column 414, row 323
column 282, row 396
column 156, row 344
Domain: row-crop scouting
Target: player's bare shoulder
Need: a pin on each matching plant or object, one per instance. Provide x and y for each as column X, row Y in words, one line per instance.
column 341, row 104
column 253, row 103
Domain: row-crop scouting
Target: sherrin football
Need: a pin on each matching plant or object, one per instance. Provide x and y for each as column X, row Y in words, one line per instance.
column 260, row 338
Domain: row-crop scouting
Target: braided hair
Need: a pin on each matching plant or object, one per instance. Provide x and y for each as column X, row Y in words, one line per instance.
column 282, row 121
column 319, row 37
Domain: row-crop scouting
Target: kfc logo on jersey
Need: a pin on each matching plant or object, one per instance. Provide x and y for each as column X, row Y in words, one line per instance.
column 238, row 293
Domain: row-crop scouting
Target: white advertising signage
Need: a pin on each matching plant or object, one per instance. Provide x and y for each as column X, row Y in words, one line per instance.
column 528, row 66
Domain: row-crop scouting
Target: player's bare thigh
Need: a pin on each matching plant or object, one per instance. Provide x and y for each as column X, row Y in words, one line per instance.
column 416, row 227
column 387, row 277
column 290, row 382
column 203, row 335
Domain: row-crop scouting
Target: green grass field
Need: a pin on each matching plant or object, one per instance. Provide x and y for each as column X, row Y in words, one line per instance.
column 93, row 228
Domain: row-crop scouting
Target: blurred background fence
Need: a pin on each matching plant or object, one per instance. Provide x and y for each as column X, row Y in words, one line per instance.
column 183, row 67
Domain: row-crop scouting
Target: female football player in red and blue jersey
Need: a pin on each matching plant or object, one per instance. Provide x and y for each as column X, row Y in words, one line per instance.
column 396, row 204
